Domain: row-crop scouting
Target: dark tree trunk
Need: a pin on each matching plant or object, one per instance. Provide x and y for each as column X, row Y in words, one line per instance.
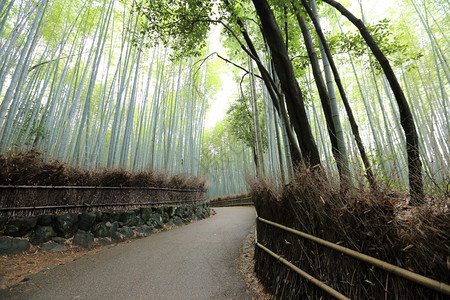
column 256, row 160
column 323, row 94
column 406, row 118
column 337, row 79
column 275, row 95
column 289, row 84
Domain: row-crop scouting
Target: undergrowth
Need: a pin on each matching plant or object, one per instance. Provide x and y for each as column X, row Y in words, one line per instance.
column 379, row 224
column 30, row 168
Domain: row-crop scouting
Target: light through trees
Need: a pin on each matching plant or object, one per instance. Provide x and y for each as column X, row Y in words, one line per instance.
column 125, row 84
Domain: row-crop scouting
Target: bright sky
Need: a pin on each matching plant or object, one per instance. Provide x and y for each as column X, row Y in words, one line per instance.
column 373, row 10
column 219, row 104
column 221, row 100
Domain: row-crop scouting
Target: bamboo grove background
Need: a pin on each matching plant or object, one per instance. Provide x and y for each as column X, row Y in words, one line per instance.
column 416, row 44
column 80, row 82
column 77, row 83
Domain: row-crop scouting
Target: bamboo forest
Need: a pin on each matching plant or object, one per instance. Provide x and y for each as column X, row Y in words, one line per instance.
column 233, row 91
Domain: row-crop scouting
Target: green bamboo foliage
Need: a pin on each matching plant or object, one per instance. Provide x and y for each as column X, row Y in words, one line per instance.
column 226, row 162
column 77, row 83
column 424, row 80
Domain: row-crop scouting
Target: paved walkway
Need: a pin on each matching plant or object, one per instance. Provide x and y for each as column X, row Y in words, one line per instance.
column 197, row 261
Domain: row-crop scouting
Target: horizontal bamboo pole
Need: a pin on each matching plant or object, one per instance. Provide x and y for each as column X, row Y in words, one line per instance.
column 422, row 280
column 77, row 187
column 231, row 204
column 243, row 201
column 305, row 275
column 97, row 205
column 232, row 199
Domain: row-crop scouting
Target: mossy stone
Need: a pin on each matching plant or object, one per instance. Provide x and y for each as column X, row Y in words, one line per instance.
column 20, row 227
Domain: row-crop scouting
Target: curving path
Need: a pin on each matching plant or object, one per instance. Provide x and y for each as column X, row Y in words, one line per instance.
column 197, row 261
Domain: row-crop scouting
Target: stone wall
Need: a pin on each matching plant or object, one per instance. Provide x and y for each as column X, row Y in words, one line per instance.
column 54, row 232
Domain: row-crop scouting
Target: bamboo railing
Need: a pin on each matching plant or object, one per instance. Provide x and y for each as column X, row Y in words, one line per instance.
column 245, row 201
column 81, row 187
column 435, row 285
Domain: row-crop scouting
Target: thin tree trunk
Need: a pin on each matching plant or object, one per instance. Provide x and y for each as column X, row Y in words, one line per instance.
column 332, row 94
column 257, row 127
column 323, row 95
column 351, row 117
column 406, row 118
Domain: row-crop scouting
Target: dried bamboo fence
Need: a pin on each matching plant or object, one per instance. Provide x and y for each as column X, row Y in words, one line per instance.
column 435, row 285
column 243, row 201
column 34, row 200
